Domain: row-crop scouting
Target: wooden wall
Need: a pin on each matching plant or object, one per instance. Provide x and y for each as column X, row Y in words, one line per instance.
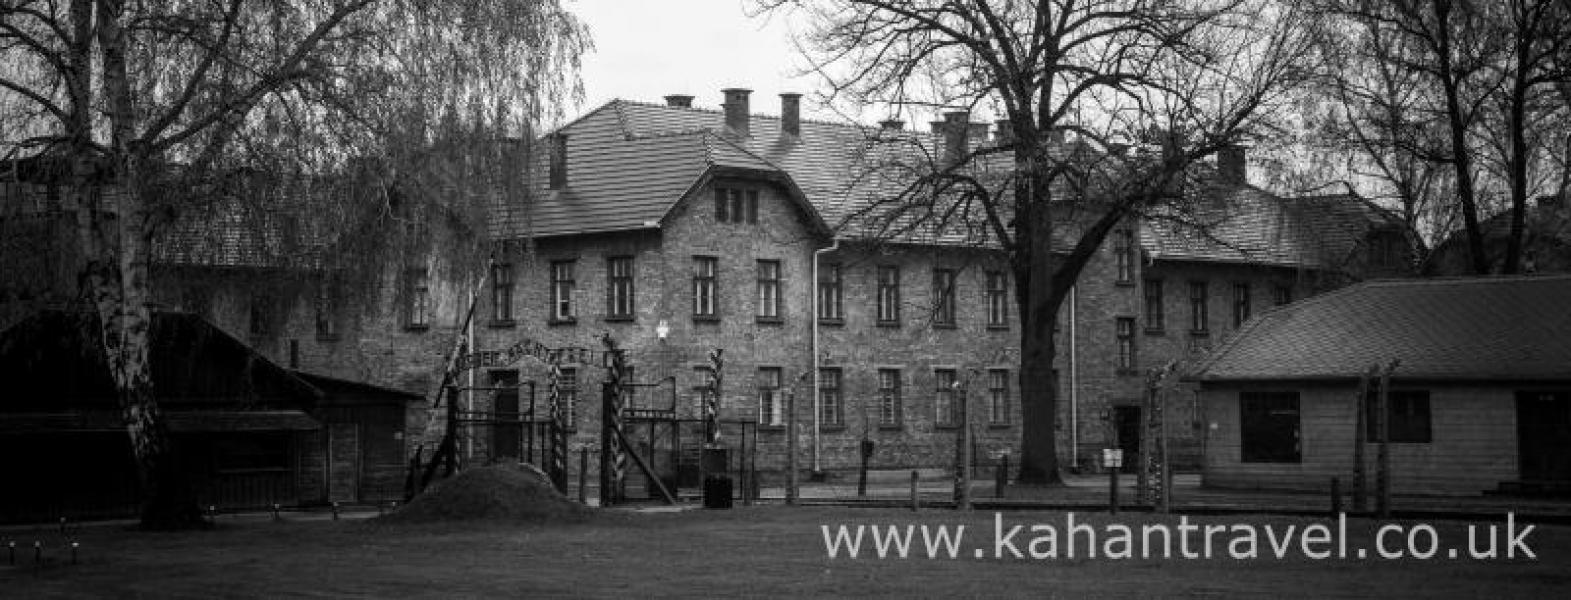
column 1473, row 445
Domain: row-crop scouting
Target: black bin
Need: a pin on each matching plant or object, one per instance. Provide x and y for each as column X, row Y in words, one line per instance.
column 717, row 491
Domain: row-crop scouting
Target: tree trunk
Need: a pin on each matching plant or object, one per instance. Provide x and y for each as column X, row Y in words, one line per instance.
column 1461, row 156
column 121, row 295
column 1038, row 308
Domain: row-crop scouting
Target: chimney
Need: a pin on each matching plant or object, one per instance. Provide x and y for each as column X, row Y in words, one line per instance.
column 1003, row 132
column 1232, row 165
column 892, row 124
column 679, row 101
column 791, row 114
column 737, row 117
column 955, row 128
column 558, row 152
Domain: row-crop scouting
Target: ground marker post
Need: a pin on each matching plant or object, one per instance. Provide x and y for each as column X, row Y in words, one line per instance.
column 74, row 547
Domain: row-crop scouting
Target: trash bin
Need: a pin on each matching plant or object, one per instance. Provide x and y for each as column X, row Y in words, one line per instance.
column 717, row 491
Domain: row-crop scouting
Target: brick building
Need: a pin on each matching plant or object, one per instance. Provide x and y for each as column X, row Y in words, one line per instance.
column 678, row 230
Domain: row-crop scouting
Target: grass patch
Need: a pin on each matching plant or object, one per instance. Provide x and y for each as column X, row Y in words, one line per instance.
column 758, row 551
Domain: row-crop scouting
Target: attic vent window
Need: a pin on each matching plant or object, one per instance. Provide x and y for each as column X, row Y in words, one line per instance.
column 558, row 151
column 733, row 205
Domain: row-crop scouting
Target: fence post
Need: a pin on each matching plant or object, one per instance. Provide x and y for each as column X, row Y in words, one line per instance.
column 916, row 501
column 1001, row 475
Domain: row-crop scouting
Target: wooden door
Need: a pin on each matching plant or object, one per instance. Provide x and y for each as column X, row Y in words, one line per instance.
column 1543, row 425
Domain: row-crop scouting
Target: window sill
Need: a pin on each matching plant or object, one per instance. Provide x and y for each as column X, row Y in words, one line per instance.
column 888, row 324
column 831, row 428
column 706, row 318
column 826, row 322
column 561, row 322
column 1156, row 332
column 946, row 426
column 619, row 319
column 883, row 427
column 944, row 326
column 412, row 328
column 769, row 321
column 327, row 338
column 763, row 427
column 1124, row 283
column 997, row 327
column 999, row 426
column 502, row 324
column 1199, row 333
column 1125, row 372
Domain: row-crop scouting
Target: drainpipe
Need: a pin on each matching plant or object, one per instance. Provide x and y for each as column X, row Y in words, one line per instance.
column 469, row 397
column 1074, row 381
column 833, row 246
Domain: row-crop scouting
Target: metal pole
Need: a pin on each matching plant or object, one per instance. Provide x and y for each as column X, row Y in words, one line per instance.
column 791, row 445
column 963, row 470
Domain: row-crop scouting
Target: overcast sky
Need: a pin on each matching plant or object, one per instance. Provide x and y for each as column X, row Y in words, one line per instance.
column 645, row 49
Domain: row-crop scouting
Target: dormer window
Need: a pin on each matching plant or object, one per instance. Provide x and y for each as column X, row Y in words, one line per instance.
column 736, row 205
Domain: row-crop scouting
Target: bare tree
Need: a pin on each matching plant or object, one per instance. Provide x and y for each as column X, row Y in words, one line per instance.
column 1461, row 87
column 1183, row 78
column 154, row 104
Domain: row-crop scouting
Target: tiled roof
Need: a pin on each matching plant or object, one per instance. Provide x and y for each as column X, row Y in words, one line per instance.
column 630, row 161
column 1499, row 328
column 1242, row 223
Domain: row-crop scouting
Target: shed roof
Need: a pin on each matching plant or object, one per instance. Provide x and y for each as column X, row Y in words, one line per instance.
column 1497, row 328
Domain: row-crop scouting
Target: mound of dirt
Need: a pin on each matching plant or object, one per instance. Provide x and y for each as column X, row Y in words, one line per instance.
column 496, row 493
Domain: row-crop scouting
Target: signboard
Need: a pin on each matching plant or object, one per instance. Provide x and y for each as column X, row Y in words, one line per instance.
column 1112, row 458
column 527, row 348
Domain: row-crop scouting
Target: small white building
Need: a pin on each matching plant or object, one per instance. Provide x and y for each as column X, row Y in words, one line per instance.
column 1480, row 400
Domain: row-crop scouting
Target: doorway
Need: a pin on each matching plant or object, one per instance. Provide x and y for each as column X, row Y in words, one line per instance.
column 1127, row 424
column 1543, row 426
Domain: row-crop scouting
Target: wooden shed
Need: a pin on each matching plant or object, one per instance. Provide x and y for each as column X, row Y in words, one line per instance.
column 239, row 422
column 1480, row 399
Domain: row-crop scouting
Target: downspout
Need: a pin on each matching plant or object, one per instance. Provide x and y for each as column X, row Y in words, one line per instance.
column 833, row 246
column 469, row 397
column 1074, row 381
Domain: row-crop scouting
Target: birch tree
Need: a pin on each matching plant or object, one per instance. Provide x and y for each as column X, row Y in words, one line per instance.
column 154, row 105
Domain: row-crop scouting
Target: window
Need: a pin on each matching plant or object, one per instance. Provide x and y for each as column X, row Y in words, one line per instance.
column 327, row 301
column 261, row 314
column 417, row 299
column 947, row 410
column 1268, row 423
column 567, row 396
column 771, row 408
column 1124, row 254
column 736, row 205
column 1283, row 294
column 1156, row 320
column 997, row 299
column 1408, row 411
column 944, row 297
column 1240, row 304
column 501, row 293
column 998, row 396
column 889, row 407
column 769, row 290
column 619, row 291
column 888, row 295
column 562, row 290
column 1126, row 343
column 704, row 286
column 831, row 408
column 831, row 294
column 1199, row 319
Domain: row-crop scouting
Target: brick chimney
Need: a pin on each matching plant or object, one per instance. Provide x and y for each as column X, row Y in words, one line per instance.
column 791, row 114
column 956, row 129
column 892, row 124
column 679, row 101
column 1232, row 165
column 737, row 115
column 558, row 153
